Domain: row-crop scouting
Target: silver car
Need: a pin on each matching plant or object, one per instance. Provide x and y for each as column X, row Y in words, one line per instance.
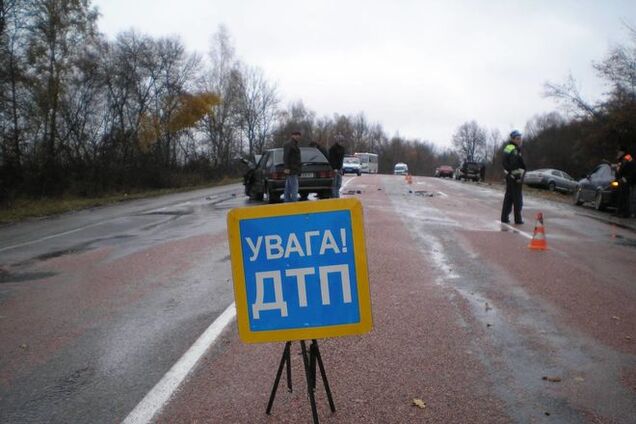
column 552, row 179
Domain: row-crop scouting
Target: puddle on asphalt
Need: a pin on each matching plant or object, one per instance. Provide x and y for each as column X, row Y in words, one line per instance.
column 623, row 241
column 21, row 277
column 60, row 253
column 171, row 213
column 424, row 193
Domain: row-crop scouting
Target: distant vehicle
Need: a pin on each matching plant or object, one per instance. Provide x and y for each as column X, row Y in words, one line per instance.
column 444, row 171
column 368, row 162
column 599, row 186
column 468, row 171
column 400, row 168
column 266, row 177
column 552, row 179
column 351, row 165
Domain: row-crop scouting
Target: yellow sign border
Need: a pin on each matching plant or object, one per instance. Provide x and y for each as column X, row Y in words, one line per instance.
column 354, row 206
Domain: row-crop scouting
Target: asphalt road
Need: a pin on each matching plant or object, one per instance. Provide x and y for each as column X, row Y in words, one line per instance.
column 97, row 306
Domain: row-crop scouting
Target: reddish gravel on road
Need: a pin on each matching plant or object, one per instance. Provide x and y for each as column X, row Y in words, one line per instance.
column 422, row 347
column 467, row 319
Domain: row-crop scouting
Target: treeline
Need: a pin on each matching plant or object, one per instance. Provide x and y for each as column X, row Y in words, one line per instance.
column 84, row 115
column 597, row 128
column 587, row 135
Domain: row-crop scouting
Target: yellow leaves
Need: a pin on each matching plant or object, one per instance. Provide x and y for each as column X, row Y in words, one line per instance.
column 188, row 109
column 192, row 108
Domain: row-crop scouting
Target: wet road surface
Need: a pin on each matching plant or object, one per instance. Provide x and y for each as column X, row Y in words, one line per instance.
column 97, row 306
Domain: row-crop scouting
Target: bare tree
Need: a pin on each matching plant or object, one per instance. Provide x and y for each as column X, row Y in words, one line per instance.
column 469, row 141
column 222, row 126
column 569, row 96
column 58, row 31
column 494, row 142
column 258, row 108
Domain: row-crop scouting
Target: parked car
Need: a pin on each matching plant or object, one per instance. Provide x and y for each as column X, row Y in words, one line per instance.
column 444, row 171
column 552, row 179
column 266, row 178
column 599, row 186
column 351, row 165
column 468, row 171
column 400, row 168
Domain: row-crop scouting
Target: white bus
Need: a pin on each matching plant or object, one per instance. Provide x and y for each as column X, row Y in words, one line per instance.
column 368, row 162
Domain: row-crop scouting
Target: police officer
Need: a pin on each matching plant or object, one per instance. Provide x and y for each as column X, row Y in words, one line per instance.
column 625, row 176
column 514, row 169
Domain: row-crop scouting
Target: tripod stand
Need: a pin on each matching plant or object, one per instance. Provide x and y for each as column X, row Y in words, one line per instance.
column 311, row 358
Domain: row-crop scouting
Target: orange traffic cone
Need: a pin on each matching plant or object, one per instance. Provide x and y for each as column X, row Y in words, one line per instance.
column 538, row 238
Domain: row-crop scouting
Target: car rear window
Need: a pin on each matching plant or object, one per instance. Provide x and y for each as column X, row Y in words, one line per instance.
column 307, row 154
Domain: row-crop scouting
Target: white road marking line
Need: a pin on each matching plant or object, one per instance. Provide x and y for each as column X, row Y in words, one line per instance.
column 347, row 182
column 159, row 396
column 515, row 229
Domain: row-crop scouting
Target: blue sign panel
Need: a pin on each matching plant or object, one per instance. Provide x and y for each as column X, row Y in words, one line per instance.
column 300, row 270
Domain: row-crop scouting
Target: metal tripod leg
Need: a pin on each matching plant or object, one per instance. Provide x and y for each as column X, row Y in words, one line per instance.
column 286, row 358
column 316, row 354
column 310, row 387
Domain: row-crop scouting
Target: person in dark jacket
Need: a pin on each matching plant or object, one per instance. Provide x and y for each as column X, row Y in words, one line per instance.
column 625, row 174
column 336, row 159
column 514, row 168
column 292, row 165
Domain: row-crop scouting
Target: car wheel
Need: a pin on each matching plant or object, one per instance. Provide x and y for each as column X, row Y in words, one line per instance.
column 551, row 186
column 577, row 197
column 598, row 201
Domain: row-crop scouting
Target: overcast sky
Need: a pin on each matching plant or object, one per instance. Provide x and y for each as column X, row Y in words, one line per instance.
column 421, row 68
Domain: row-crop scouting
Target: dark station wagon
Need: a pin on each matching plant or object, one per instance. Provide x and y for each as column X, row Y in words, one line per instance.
column 267, row 179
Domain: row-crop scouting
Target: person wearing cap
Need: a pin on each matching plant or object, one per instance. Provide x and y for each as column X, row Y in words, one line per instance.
column 626, row 179
column 292, row 165
column 515, row 169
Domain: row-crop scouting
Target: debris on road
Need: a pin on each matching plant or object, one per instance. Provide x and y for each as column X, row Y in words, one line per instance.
column 552, row 379
column 419, row 403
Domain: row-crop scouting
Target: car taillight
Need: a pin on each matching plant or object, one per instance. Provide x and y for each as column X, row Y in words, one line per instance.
column 325, row 174
column 278, row 175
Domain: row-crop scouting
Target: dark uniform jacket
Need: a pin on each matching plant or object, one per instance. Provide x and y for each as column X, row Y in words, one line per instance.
column 512, row 161
column 291, row 157
column 336, row 155
column 626, row 169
